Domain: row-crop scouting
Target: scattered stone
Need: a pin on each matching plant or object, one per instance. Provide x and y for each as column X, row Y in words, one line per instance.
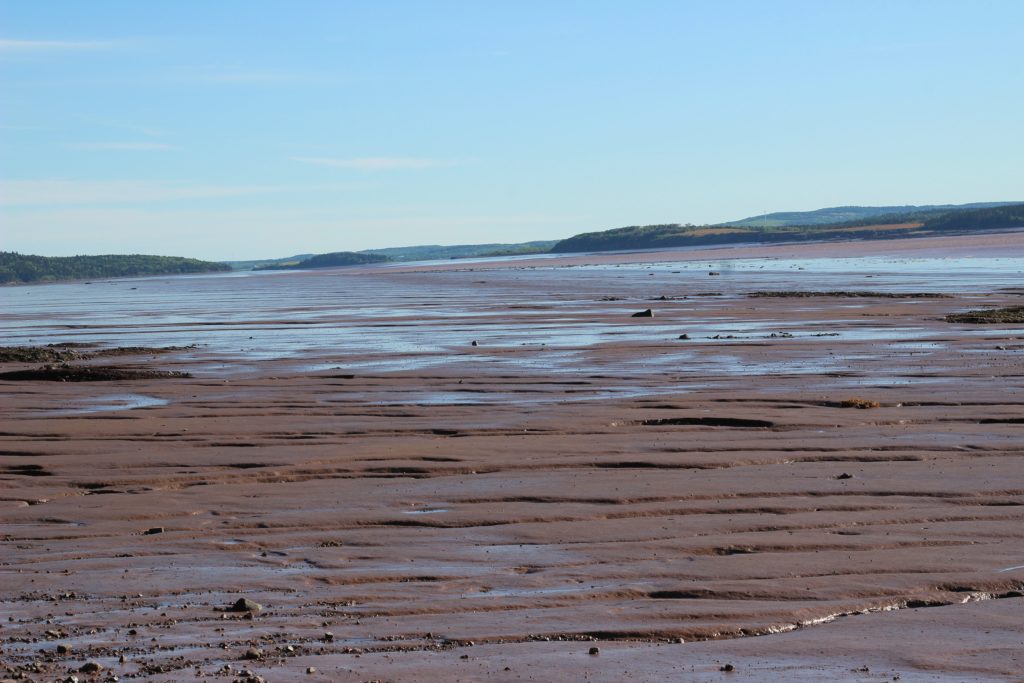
column 845, row 475
column 648, row 313
column 90, row 373
column 855, row 294
column 153, row 530
column 253, row 653
column 595, row 651
column 328, row 637
column 63, row 649
column 37, row 354
column 245, row 605
column 1013, row 314
column 714, row 272
column 91, row 668
column 684, row 336
column 728, row 668
column 861, row 403
column 311, row 670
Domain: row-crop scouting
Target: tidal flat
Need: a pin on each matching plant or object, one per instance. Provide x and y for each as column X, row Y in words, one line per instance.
column 483, row 470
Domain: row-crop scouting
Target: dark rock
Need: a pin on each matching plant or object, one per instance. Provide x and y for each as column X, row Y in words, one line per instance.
column 714, row 272
column 253, row 653
column 728, row 667
column 643, row 314
column 684, row 336
column 595, row 650
column 245, row 605
column 845, row 475
column 154, row 530
column 63, row 649
column 91, row 668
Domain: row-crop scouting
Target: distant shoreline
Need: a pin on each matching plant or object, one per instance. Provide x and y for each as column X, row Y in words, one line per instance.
column 993, row 243
column 1003, row 243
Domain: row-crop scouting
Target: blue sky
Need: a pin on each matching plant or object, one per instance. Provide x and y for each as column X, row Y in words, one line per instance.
column 247, row 129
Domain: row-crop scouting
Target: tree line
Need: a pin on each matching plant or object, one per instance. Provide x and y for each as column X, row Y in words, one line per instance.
column 25, row 268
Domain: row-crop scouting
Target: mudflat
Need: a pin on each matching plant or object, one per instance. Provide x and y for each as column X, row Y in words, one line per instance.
column 795, row 469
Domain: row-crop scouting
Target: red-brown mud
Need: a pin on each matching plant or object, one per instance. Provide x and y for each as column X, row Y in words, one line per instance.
column 437, row 511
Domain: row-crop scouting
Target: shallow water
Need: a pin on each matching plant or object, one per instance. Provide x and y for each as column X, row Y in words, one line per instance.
column 110, row 403
column 380, row 320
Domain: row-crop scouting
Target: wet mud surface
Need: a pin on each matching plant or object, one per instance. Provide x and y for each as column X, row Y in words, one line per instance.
column 805, row 488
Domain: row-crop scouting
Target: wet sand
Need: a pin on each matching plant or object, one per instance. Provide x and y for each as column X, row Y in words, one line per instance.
column 408, row 506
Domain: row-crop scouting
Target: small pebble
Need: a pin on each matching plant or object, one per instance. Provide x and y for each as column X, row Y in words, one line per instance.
column 595, row 650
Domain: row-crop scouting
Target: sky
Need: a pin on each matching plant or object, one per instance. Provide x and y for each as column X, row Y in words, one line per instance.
column 243, row 129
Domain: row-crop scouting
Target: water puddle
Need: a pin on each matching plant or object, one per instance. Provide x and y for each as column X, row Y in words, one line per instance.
column 115, row 402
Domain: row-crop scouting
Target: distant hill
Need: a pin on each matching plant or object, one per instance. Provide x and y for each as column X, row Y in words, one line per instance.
column 845, row 214
column 256, row 263
column 917, row 222
column 424, row 252
column 431, row 252
column 834, row 223
column 333, row 260
column 25, row 268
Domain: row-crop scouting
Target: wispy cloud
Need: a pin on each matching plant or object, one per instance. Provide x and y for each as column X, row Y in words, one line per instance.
column 374, row 163
column 9, row 46
column 122, row 146
column 126, row 127
column 248, row 76
column 78, row 192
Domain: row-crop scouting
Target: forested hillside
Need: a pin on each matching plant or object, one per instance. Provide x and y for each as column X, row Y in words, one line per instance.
column 24, row 268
